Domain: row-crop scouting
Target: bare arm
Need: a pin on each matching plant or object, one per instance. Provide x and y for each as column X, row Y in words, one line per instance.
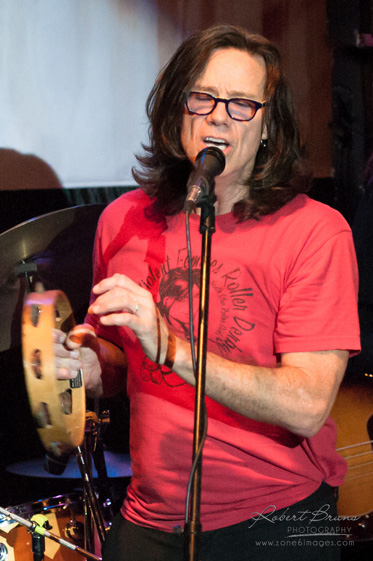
column 297, row 395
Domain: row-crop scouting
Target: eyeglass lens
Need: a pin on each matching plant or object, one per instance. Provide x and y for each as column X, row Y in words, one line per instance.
column 203, row 104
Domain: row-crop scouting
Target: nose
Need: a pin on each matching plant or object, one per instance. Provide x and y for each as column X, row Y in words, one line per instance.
column 219, row 115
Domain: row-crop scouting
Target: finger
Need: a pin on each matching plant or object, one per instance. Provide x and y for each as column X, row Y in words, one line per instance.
column 126, row 318
column 68, row 367
column 59, row 336
column 69, row 364
column 114, row 300
column 117, row 280
column 63, row 352
column 67, row 373
column 121, row 282
column 59, row 346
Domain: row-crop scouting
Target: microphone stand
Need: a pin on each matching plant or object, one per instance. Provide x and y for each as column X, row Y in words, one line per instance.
column 193, row 529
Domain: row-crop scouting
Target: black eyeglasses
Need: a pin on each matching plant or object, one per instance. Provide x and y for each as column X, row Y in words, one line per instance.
column 199, row 103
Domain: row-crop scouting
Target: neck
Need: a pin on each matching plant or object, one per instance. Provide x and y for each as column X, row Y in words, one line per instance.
column 227, row 195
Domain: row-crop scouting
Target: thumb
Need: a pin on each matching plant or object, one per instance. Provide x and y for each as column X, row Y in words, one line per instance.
column 80, row 336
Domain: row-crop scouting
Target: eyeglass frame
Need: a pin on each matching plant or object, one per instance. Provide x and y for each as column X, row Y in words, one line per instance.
column 257, row 105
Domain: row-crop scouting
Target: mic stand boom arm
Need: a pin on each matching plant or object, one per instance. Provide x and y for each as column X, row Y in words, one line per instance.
column 193, row 529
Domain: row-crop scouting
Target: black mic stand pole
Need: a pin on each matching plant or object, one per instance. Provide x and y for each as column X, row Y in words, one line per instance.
column 193, row 529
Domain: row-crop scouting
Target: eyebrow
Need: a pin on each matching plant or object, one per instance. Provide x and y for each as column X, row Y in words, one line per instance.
column 233, row 94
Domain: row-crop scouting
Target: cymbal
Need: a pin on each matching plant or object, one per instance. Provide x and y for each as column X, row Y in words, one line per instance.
column 117, row 465
column 55, row 249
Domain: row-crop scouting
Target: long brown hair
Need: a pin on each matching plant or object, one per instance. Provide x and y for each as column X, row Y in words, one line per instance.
column 278, row 172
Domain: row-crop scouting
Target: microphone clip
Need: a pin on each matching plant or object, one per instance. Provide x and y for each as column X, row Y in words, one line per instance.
column 209, row 163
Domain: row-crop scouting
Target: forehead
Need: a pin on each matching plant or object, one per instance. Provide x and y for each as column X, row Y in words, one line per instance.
column 234, row 71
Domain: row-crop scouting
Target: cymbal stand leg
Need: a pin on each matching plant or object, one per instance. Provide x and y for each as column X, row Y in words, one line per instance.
column 104, row 491
column 90, row 495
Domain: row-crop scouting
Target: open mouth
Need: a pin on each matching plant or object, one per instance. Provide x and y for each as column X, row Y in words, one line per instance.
column 217, row 142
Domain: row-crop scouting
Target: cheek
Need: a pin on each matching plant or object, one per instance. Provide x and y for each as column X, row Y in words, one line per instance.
column 185, row 133
column 188, row 136
column 251, row 141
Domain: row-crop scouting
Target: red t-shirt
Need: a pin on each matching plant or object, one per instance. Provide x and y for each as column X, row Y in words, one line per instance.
column 285, row 283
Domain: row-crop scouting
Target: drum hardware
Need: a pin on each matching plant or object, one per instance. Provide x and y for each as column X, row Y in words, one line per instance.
column 95, row 429
column 74, row 531
column 62, row 514
column 38, row 539
column 36, row 527
column 92, row 448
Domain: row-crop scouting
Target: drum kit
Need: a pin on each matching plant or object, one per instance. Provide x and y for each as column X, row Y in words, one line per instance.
column 45, row 277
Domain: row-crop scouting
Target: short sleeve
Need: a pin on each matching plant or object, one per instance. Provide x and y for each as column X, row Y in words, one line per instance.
column 318, row 307
column 110, row 333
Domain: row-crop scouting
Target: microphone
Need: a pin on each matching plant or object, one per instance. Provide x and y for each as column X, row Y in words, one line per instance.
column 209, row 163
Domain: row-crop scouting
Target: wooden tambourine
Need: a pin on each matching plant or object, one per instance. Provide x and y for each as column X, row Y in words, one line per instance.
column 58, row 406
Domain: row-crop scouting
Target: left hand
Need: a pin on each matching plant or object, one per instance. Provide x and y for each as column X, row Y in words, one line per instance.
column 122, row 302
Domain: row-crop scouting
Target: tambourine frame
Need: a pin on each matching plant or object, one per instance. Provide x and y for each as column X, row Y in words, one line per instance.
column 58, row 406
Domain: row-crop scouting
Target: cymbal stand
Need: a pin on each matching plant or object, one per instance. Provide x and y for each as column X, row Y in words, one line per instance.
column 104, row 489
column 83, row 455
column 37, row 529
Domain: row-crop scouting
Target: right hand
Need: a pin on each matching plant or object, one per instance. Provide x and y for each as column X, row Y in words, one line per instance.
column 78, row 349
